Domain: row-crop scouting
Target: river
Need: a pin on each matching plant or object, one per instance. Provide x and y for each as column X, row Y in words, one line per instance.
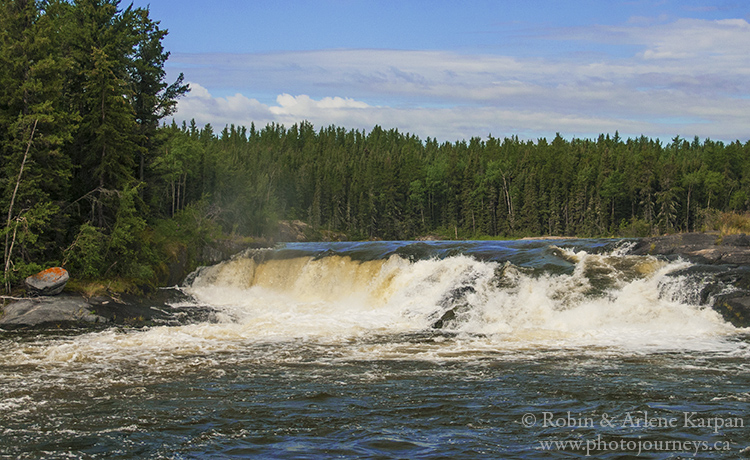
column 462, row 350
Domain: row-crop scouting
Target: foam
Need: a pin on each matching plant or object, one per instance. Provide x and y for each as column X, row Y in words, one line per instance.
column 365, row 309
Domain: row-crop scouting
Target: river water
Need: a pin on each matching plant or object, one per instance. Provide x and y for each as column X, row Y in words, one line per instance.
column 462, row 350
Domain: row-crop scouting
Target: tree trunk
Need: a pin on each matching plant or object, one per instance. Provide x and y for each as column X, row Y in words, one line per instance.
column 9, row 248
column 687, row 214
column 173, row 197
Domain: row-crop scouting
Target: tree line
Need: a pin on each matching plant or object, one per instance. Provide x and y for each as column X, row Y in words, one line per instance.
column 95, row 181
column 390, row 185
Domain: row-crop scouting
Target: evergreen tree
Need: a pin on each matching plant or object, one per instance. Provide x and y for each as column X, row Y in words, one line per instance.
column 34, row 125
column 152, row 98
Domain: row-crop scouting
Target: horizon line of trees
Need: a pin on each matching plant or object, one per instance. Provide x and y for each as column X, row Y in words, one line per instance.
column 391, row 185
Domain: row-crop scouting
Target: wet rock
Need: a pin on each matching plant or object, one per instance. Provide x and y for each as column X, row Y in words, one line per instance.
column 48, row 282
column 722, row 266
column 221, row 250
column 183, row 260
column 138, row 311
column 735, row 308
column 714, row 281
column 675, row 244
column 446, row 318
column 453, row 306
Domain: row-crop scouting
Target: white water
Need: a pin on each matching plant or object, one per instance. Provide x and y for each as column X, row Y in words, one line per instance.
column 368, row 310
column 335, row 297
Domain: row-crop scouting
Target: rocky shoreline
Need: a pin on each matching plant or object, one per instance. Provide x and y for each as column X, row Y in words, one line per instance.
column 721, row 262
column 66, row 311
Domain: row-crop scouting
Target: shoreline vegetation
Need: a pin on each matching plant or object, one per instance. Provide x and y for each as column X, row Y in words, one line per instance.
column 98, row 181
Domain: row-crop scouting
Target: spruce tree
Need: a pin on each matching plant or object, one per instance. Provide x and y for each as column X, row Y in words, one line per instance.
column 34, row 125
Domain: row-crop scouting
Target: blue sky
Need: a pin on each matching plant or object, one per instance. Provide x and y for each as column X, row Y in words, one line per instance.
column 454, row 70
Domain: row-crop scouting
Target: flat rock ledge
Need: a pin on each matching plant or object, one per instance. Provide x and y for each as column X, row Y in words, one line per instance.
column 49, row 310
column 702, row 248
column 75, row 311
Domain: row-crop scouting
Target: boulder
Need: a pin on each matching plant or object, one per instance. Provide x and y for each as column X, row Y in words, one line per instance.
column 740, row 240
column 48, row 282
column 678, row 244
column 183, row 260
column 722, row 262
column 293, row 231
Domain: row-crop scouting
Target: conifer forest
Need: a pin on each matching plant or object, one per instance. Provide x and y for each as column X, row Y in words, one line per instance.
column 99, row 179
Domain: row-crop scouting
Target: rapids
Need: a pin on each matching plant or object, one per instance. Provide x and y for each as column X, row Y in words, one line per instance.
column 391, row 350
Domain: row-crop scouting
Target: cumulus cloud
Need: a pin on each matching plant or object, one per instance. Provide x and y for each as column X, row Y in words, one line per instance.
column 205, row 108
column 688, row 77
column 445, row 124
column 201, row 105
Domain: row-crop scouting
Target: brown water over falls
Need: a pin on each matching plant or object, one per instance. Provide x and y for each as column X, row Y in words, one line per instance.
column 327, row 278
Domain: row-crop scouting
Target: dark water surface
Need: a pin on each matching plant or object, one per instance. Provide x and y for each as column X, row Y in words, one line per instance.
column 331, row 351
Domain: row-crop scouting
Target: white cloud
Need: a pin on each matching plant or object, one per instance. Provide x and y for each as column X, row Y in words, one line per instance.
column 689, row 77
column 691, row 38
column 445, row 124
column 241, row 110
column 289, row 104
column 204, row 108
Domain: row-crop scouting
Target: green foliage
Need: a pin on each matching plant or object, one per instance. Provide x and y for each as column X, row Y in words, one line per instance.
column 635, row 228
column 125, row 240
column 91, row 181
column 182, row 239
column 84, row 258
column 120, row 252
column 725, row 222
column 193, row 227
column 390, row 185
column 81, row 93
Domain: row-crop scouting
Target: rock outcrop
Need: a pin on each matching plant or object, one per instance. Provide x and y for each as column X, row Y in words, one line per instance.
column 293, row 231
column 39, row 311
column 735, row 308
column 703, row 248
column 726, row 266
column 182, row 260
column 70, row 310
column 722, row 262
